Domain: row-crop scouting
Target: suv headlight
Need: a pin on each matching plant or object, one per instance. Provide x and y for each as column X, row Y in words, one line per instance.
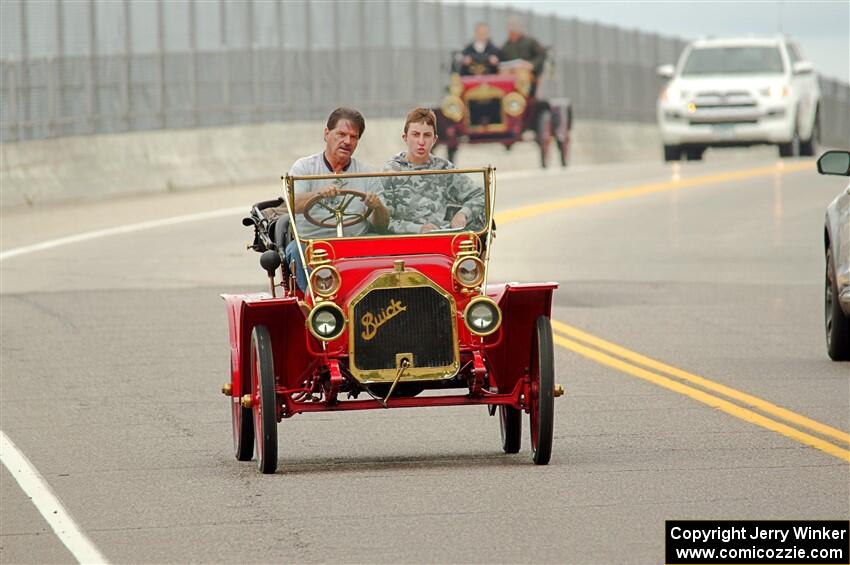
column 775, row 91
column 673, row 94
column 325, row 280
column 326, row 321
column 468, row 271
column 482, row 316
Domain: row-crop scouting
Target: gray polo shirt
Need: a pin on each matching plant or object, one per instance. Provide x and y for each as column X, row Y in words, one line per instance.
column 318, row 165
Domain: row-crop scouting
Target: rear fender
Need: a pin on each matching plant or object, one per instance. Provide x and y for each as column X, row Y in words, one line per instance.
column 285, row 321
column 521, row 305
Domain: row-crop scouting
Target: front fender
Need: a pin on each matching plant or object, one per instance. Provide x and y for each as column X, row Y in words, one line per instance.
column 521, row 304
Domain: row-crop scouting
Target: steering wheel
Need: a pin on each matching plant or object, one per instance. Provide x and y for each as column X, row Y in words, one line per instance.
column 335, row 217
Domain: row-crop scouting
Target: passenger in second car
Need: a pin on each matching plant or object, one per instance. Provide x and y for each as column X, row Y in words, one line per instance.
column 420, row 204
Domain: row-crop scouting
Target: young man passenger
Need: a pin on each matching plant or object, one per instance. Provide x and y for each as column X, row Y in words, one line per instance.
column 420, row 204
column 344, row 128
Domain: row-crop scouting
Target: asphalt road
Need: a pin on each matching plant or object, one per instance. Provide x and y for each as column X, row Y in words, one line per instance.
column 114, row 349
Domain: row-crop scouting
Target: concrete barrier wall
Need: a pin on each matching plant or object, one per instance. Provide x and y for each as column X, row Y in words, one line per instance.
column 94, row 167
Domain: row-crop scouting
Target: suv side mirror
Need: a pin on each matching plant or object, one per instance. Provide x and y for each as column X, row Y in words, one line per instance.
column 666, row 71
column 834, row 163
column 803, row 68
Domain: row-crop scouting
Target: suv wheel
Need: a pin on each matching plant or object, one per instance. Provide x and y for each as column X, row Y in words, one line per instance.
column 792, row 148
column 672, row 152
column 694, row 153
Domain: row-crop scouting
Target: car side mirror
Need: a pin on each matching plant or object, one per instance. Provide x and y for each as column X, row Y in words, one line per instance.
column 834, row 163
column 803, row 68
column 666, row 71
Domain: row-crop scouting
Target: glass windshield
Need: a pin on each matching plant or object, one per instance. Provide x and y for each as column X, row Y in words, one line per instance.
column 389, row 204
column 733, row 60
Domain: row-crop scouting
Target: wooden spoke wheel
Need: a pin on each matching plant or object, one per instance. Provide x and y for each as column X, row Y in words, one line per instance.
column 265, row 400
column 542, row 392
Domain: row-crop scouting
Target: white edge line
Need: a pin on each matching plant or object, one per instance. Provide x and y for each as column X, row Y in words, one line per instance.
column 50, row 244
column 34, row 485
column 130, row 228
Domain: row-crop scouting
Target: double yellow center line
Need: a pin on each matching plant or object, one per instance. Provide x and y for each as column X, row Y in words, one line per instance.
column 548, row 207
column 734, row 402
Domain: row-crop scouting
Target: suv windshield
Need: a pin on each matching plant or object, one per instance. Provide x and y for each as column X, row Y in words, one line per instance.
column 733, row 60
column 406, row 203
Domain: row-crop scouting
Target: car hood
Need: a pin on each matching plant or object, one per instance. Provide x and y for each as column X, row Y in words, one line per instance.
column 727, row 83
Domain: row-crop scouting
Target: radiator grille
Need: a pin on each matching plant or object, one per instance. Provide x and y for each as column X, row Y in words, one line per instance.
column 485, row 112
column 424, row 328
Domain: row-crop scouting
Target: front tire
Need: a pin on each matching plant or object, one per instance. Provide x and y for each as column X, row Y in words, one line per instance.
column 836, row 323
column 792, row 148
column 694, row 153
column 265, row 400
column 542, row 392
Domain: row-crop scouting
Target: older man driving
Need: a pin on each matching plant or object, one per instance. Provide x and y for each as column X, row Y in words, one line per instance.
column 342, row 133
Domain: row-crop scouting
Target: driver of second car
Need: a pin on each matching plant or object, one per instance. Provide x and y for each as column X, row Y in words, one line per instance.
column 343, row 130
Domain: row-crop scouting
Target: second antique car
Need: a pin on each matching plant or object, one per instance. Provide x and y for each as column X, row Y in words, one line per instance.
column 503, row 108
column 383, row 319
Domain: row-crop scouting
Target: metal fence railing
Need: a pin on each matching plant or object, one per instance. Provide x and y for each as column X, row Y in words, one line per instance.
column 100, row 66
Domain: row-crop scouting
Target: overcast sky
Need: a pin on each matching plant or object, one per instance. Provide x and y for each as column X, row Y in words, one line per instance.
column 822, row 28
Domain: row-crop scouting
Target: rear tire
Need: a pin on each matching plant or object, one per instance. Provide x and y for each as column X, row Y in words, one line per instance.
column 265, row 406
column 561, row 133
column 836, row 323
column 672, row 153
column 242, row 420
column 544, row 135
column 510, row 421
column 542, row 392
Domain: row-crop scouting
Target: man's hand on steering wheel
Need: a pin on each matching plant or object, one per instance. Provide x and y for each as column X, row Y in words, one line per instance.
column 329, row 191
column 372, row 200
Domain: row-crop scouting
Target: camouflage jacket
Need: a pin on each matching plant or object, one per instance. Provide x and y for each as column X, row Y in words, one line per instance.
column 418, row 200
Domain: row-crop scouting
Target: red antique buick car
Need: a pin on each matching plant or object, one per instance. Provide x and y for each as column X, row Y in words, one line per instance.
column 387, row 320
column 503, row 108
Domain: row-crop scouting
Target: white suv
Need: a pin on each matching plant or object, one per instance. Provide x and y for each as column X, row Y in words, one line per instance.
column 738, row 92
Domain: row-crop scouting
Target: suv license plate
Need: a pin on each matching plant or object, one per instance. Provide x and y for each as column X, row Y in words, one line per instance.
column 724, row 130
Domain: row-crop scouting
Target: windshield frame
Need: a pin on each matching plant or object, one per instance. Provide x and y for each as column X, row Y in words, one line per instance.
column 489, row 173
column 489, row 182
